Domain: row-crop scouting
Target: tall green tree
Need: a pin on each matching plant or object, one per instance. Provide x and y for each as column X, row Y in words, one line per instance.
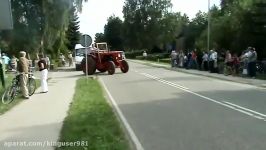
column 72, row 33
column 99, row 37
column 142, row 21
column 195, row 28
column 39, row 25
column 28, row 26
column 113, row 32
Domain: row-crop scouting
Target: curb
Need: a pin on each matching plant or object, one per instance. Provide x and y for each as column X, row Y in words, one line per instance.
column 134, row 142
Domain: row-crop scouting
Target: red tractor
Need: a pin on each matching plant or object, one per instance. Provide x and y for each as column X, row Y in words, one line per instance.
column 103, row 60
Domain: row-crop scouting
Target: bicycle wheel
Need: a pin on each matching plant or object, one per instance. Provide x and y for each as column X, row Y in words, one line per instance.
column 31, row 86
column 9, row 95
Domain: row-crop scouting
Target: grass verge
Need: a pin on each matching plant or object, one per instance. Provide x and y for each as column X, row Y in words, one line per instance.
column 92, row 120
column 5, row 107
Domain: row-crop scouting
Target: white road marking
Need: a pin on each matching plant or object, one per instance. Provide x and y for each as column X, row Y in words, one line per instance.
column 123, row 119
column 238, row 108
column 246, row 109
column 245, row 85
column 164, row 81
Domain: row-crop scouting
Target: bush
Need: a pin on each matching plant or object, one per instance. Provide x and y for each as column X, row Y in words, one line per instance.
column 165, row 60
column 135, row 53
column 153, row 57
column 140, row 57
column 55, row 62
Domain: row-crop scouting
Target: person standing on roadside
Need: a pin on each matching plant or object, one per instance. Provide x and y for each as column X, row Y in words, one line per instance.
column 173, row 58
column 13, row 63
column 228, row 65
column 236, row 64
column 47, row 60
column 215, row 64
column 205, row 61
column 6, row 60
column 70, row 59
column 44, row 73
column 181, row 59
column 211, row 61
column 193, row 60
column 145, row 55
column 23, row 68
column 252, row 58
column 62, row 59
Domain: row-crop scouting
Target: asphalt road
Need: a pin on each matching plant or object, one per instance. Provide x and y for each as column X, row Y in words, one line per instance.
column 169, row 110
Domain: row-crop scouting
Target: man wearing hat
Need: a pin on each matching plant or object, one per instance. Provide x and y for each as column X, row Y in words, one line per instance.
column 23, row 68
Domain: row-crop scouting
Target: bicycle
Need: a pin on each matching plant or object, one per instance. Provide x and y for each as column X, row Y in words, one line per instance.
column 12, row 91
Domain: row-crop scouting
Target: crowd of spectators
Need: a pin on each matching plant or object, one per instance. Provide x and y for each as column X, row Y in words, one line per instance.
column 225, row 62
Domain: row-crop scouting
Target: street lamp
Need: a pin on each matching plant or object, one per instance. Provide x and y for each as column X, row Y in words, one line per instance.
column 209, row 18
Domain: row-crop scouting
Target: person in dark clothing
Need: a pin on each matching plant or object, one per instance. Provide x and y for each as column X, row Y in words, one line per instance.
column 189, row 57
column 199, row 60
column 252, row 58
column 211, row 62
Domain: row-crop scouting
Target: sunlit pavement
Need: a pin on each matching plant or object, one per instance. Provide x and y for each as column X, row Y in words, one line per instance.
column 170, row 110
column 39, row 119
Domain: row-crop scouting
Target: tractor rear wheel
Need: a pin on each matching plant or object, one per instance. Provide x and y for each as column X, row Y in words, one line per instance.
column 91, row 65
column 110, row 67
column 124, row 66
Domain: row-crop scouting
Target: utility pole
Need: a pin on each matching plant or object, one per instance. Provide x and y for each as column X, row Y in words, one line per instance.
column 209, row 19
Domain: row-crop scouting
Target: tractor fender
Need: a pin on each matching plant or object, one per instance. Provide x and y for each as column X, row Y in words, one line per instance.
column 109, row 58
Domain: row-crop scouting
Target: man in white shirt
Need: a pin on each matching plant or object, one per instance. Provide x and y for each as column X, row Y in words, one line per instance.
column 144, row 55
column 173, row 58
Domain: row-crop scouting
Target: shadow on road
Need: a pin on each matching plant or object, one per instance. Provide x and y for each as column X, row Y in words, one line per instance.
column 183, row 121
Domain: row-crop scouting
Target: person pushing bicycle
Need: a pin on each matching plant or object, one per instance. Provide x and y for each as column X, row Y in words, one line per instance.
column 23, row 69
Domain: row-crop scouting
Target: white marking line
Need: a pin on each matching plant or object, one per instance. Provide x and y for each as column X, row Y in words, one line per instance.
column 123, row 119
column 261, row 114
column 246, row 111
column 135, row 71
column 164, row 81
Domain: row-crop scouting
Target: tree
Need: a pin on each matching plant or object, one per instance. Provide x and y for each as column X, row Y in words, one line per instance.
column 39, row 25
column 195, row 27
column 113, row 32
column 142, row 22
column 99, row 37
column 28, row 26
column 72, row 33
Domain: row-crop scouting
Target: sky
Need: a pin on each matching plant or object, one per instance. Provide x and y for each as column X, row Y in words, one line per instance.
column 95, row 12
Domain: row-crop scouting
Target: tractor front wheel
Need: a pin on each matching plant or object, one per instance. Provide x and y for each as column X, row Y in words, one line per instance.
column 124, row 66
column 91, row 65
column 111, row 67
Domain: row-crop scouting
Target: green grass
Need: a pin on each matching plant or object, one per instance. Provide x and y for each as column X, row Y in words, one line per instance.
column 91, row 119
column 261, row 76
column 5, row 107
